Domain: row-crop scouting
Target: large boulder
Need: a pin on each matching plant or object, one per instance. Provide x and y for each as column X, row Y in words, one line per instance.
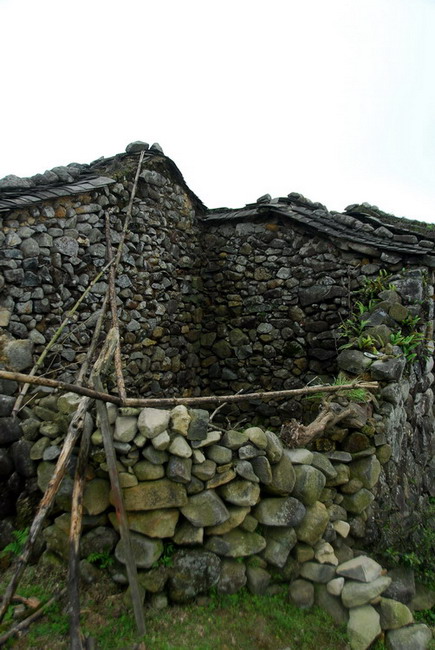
column 205, row 509
column 193, row 572
column 363, row 627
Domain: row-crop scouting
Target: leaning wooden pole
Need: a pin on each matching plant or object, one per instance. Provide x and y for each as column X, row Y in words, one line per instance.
column 114, row 312
column 46, row 501
column 76, row 425
column 120, row 510
column 76, row 637
column 54, row 338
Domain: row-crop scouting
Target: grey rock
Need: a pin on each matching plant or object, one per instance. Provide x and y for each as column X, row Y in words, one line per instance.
column 363, row 627
column 232, row 577
column 353, row 361
column 146, row 471
column 262, row 469
column 274, row 447
column 193, row 572
column 9, row 430
column 179, row 469
column 258, row 580
column 145, row 550
column 413, row 637
column 286, row 511
column 205, row 509
column 20, row 452
column 137, row 146
column 153, row 421
column 361, row 568
column 301, row 594
column 180, row 447
column 18, row 354
column 99, row 540
column 402, row 587
column 219, row 454
column 245, row 470
column 234, row 439
column 315, row 572
column 330, row 604
column 389, row 370
column 394, row 614
column 240, row 493
column 308, row 485
column 283, row 476
column 355, row 594
column 198, row 424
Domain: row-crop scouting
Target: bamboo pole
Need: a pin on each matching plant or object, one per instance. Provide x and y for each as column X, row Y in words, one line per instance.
column 54, row 338
column 46, row 502
column 187, row 401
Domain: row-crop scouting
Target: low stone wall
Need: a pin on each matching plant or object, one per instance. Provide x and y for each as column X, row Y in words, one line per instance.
column 211, row 508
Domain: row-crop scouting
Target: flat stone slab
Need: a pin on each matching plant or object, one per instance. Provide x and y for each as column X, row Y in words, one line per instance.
column 355, row 594
column 300, row 456
column 361, row 568
column 154, row 495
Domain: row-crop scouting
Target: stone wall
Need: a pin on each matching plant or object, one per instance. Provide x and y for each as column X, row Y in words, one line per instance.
column 53, row 250
column 205, row 308
column 211, row 508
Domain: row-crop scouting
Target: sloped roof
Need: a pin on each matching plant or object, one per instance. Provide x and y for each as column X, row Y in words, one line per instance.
column 75, row 178
column 363, row 228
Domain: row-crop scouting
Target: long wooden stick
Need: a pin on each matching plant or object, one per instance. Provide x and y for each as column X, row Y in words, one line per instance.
column 76, row 637
column 29, row 620
column 46, row 502
column 54, row 338
column 120, row 510
column 113, row 310
column 187, row 401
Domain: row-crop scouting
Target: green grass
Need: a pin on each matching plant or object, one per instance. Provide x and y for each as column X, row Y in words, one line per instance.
column 241, row 621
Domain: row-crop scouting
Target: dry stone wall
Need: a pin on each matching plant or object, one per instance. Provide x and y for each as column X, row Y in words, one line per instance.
column 50, row 253
column 224, row 509
column 212, row 308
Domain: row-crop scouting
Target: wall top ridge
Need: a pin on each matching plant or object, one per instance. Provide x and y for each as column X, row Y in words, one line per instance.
column 360, row 227
column 77, row 178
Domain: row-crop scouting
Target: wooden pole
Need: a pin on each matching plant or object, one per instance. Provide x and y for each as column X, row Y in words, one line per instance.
column 76, row 637
column 76, row 425
column 29, row 620
column 166, row 402
column 120, row 510
column 54, row 338
column 114, row 311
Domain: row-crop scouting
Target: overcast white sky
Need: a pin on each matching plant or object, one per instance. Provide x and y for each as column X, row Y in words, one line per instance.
column 331, row 98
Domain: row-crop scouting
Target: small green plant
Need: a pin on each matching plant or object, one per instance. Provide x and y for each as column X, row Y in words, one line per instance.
column 353, row 394
column 166, row 558
column 373, row 286
column 353, row 327
column 408, row 343
column 16, row 547
column 102, row 559
column 364, row 342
